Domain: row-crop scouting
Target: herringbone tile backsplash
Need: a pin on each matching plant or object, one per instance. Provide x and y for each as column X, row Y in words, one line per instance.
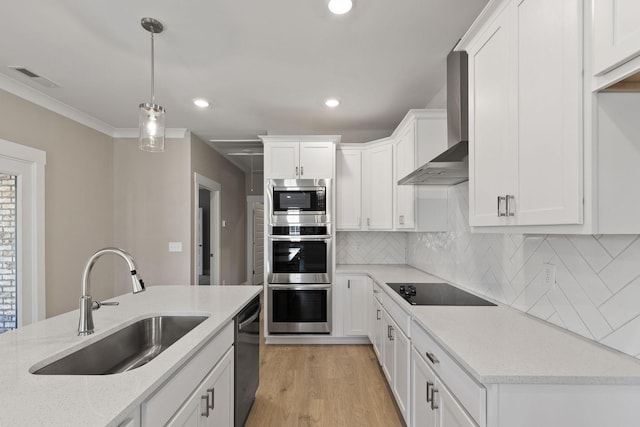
column 370, row 247
column 596, row 292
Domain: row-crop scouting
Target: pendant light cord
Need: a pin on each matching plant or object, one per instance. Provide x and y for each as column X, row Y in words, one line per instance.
column 153, row 97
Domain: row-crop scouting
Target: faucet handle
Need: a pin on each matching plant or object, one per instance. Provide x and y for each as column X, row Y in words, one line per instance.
column 98, row 304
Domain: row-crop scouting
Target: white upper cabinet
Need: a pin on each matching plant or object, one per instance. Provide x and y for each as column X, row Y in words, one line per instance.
column 405, row 163
column 299, row 157
column 378, row 187
column 349, row 189
column 616, row 31
column 525, row 109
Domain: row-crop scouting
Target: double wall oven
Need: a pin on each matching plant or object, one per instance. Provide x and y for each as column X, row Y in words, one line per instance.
column 300, row 257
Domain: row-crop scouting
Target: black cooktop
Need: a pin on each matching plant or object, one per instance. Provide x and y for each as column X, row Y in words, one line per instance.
column 436, row 294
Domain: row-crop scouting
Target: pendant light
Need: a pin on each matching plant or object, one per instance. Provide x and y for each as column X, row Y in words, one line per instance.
column 151, row 115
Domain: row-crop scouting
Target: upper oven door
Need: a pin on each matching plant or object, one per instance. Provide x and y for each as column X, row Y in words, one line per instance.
column 302, row 260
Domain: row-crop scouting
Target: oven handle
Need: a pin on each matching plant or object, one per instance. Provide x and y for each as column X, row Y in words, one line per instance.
column 298, row 287
column 298, row 238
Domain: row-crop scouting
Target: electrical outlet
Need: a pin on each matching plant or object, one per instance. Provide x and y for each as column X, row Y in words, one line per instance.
column 175, row 246
column 548, row 274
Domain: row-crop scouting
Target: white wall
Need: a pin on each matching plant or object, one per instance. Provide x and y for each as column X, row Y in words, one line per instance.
column 597, row 289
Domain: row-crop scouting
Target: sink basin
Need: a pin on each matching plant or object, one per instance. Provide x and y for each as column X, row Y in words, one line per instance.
column 126, row 349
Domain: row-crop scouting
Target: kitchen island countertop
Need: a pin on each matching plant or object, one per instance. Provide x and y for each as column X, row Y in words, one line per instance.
column 97, row 400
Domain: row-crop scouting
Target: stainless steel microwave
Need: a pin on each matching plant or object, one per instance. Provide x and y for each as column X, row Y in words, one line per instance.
column 299, row 201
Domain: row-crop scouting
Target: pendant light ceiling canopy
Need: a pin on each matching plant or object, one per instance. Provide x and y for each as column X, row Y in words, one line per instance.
column 152, row 116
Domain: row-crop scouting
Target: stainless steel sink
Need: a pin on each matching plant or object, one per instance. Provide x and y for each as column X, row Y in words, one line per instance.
column 126, row 349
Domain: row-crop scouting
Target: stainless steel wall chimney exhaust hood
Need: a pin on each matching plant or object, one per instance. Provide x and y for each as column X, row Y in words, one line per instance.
column 452, row 166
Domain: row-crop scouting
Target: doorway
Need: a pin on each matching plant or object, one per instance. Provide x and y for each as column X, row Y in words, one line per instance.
column 22, row 284
column 207, row 231
column 255, row 240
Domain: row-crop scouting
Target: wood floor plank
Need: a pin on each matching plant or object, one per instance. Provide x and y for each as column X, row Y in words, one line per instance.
column 322, row 386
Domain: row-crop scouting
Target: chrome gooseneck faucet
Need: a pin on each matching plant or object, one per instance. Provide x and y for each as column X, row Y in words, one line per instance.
column 85, row 326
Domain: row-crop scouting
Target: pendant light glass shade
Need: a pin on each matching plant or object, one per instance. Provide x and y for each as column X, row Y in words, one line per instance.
column 151, row 127
column 151, row 116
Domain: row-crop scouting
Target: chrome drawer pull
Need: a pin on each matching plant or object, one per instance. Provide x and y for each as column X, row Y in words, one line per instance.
column 434, row 405
column 378, row 315
column 502, row 201
column 429, row 396
column 432, row 357
column 206, row 406
column 212, row 402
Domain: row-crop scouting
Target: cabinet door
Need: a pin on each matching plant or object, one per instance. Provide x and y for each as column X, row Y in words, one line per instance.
column 549, row 136
column 316, row 160
column 452, row 414
column 212, row 402
column 377, row 328
column 401, row 368
column 405, row 195
column 380, row 183
column 388, row 353
column 348, row 186
column 423, row 381
column 281, row 160
column 492, row 120
column 616, row 30
column 356, row 314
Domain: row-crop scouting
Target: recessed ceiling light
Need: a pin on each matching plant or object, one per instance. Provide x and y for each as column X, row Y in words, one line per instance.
column 340, row 7
column 332, row 103
column 202, row 103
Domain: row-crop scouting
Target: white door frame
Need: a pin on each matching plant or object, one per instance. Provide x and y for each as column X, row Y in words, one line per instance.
column 28, row 165
column 250, row 201
column 201, row 181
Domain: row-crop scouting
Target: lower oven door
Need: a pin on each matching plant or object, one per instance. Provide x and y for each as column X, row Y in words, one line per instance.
column 304, row 309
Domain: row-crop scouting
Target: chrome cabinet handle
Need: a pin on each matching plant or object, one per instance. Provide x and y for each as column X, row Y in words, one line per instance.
column 390, row 333
column 510, row 205
column 502, row 208
column 429, row 385
column 368, row 222
column 401, row 219
column 296, row 170
column 434, row 405
column 206, row 405
column 301, row 170
column 432, row 357
column 348, row 284
column 212, row 403
column 378, row 315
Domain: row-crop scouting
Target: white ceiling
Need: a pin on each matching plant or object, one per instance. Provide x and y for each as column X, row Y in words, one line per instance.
column 265, row 66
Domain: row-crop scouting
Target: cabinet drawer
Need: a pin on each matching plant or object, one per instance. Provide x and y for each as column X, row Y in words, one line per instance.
column 401, row 317
column 471, row 394
column 161, row 406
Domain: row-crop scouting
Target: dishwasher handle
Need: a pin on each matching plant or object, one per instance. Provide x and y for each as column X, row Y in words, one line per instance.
column 250, row 320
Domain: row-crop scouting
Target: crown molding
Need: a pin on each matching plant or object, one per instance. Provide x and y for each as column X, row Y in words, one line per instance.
column 34, row 96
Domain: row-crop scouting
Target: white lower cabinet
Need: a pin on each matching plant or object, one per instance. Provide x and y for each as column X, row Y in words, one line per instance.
column 432, row 402
column 355, row 290
column 212, row 402
column 205, row 381
column 393, row 348
column 377, row 326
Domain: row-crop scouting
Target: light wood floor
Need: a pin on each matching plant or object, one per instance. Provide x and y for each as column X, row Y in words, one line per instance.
column 322, row 385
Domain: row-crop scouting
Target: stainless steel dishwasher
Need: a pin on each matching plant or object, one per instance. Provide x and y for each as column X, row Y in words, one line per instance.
column 247, row 359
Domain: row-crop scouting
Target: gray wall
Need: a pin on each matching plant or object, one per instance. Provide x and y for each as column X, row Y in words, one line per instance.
column 79, row 196
column 207, row 162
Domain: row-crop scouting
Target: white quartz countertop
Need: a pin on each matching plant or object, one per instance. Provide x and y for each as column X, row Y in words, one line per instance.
column 98, row 400
column 502, row 345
